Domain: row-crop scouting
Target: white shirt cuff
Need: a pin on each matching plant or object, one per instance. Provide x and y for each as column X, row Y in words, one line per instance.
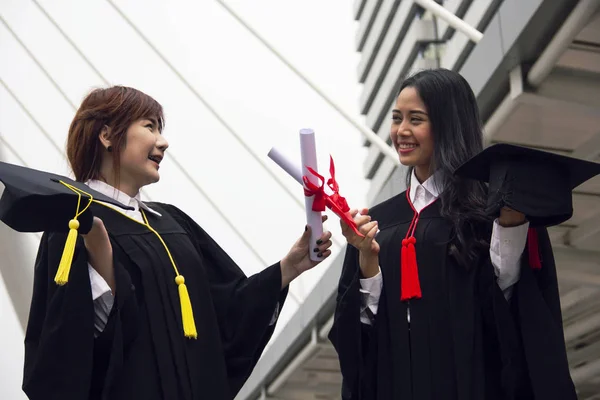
column 99, row 285
column 370, row 288
column 506, row 248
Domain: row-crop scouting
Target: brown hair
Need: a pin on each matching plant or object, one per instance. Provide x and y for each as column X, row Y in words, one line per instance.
column 116, row 107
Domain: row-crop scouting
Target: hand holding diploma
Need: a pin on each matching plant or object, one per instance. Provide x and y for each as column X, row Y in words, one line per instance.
column 299, row 260
column 308, row 154
column 334, row 201
column 367, row 246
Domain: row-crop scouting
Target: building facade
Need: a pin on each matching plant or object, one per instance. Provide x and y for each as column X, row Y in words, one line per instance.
column 536, row 76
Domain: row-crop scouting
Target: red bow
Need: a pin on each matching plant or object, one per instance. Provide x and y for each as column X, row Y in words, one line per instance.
column 335, row 202
column 310, row 189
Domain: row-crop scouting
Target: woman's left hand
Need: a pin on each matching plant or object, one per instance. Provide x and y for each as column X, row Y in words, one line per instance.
column 298, row 259
column 509, row 217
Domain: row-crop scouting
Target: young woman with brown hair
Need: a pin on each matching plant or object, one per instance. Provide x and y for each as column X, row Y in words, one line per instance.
column 122, row 327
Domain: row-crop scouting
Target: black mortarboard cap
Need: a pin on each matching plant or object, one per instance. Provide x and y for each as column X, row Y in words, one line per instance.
column 37, row 201
column 537, row 183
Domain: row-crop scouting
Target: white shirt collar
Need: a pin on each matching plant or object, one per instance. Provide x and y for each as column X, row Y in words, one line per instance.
column 119, row 196
column 432, row 185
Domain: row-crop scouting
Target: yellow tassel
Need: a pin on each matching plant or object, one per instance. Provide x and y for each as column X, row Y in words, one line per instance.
column 187, row 315
column 62, row 275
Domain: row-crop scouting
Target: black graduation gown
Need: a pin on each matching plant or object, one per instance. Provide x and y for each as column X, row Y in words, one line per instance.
column 464, row 340
column 142, row 353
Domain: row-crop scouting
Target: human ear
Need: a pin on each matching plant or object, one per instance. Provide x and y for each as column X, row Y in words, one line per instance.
column 105, row 138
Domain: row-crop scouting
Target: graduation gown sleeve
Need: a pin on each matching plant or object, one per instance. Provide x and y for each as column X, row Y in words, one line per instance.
column 60, row 348
column 540, row 322
column 244, row 305
column 351, row 338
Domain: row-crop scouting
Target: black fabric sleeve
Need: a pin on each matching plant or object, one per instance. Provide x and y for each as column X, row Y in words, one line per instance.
column 244, row 305
column 540, row 323
column 59, row 340
column 352, row 339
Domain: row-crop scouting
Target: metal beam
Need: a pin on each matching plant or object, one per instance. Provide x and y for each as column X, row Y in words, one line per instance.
column 361, row 127
column 33, row 119
column 565, row 254
column 306, row 353
column 577, row 296
column 16, row 269
column 517, row 96
column 498, row 119
column 258, row 158
column 588, row 150
column 587, row 229
column 583, row 354
column 580, row 277
column 586, row 372
column 506, row 107
column 574, row 23
column 577, row 266
column 452, row 20
column 582, row 327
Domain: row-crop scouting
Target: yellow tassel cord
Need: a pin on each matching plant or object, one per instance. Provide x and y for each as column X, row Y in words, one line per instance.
column 64, row 267
column 187, row 314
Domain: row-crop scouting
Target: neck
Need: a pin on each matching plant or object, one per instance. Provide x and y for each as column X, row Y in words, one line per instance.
column 123, row 185
column 129, row 190
column 422, row 173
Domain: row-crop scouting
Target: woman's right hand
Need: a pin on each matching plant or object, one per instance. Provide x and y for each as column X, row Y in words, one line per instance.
column 367, row 246
column 100, row 252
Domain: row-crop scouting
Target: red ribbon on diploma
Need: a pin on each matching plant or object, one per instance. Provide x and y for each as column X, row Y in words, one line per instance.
column 334, row 202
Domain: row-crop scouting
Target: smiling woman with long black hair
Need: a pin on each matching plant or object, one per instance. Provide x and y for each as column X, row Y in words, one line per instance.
column 426, row 308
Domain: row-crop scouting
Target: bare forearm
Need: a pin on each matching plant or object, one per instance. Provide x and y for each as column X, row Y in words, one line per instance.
column 509, row 218
column 100, row 253
column 288, row 273
column 369, row 264
column 102, row 262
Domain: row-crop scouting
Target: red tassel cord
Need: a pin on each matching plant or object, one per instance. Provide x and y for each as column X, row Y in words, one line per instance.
column 409, row 277
column 411, row 287
column 533, row 247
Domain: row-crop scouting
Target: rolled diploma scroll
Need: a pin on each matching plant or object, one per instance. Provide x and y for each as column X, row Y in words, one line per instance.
column 289, row 167
column 308, row 153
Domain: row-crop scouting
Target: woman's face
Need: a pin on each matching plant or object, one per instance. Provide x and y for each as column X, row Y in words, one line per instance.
column 411, row 132
column 140, row 157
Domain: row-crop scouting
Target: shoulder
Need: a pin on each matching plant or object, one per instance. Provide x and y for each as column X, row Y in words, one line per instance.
column 172, row 211
column 164, row 207
column 183, row 219
column 389, row 207
column 155, row 205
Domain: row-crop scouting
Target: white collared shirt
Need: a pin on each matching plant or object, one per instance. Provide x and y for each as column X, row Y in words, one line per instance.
column 101, row 293
column 506, row 246
column 122, row 198
column 99, row 285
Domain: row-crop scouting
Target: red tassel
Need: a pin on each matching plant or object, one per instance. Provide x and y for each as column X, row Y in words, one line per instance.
column 533, row 247
column 403, row 267
column 411, row 287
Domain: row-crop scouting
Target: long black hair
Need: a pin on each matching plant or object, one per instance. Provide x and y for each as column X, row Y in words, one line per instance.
column 457, row 136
